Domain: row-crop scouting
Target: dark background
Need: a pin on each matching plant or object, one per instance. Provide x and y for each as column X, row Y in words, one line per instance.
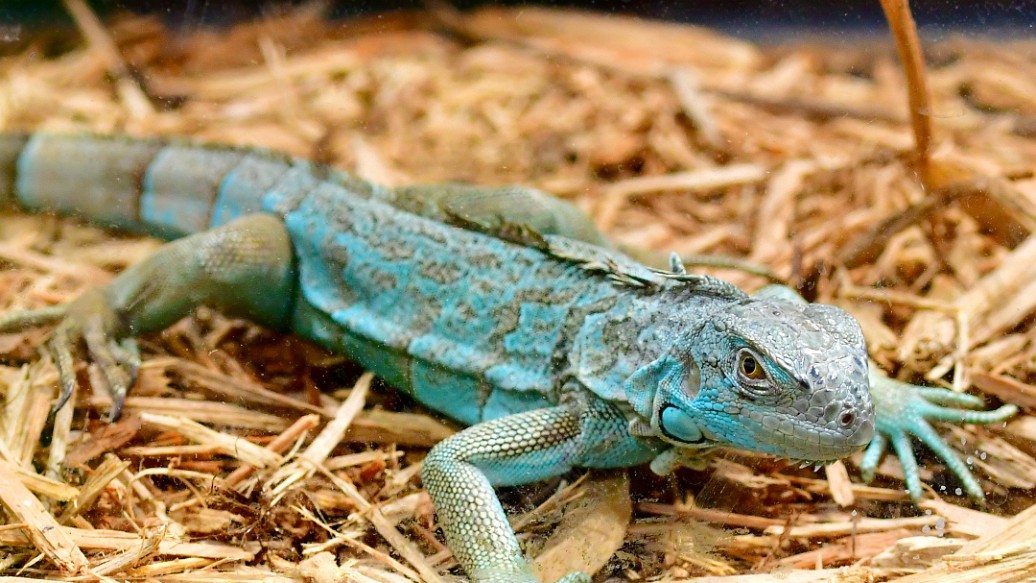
column 759, row 19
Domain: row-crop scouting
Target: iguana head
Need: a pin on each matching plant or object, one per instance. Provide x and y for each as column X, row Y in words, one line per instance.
column 764, row 375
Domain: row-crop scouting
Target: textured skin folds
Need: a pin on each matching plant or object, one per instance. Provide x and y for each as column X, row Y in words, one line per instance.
column 481, row 304
column 513, row 450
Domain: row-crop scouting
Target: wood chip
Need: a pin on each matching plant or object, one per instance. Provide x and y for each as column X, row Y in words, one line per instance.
column 591, row 530
column 800, row 154
column 39, row 525
column 237, row 447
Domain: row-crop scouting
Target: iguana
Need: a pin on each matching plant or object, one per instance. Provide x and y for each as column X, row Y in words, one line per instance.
column 501, row 308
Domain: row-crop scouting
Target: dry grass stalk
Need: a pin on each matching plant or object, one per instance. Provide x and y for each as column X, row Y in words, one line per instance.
column 39, row 524
column 115, row 540
column 840, row 485
column 133, row 97
column 94, row 487
column 674, row 138
column 904, row 31
column 601, row 515
column 223, row 387
column 927, row 341
column 326, row 440
column 965, row 521
column 915, row 553
column 279, row 445
column 1008, row 554
column 636, row 47
column 230, row 445
column 849, row 549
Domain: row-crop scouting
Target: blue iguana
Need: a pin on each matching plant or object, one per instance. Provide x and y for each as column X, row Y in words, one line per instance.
column 501, row 308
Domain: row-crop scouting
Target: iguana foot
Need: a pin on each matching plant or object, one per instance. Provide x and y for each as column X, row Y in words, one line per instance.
column 903, row 410
column 245, row 267
column 675, row 458
column 24, row 319
column 88, row 322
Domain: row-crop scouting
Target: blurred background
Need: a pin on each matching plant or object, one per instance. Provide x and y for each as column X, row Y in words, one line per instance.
column 761, row 20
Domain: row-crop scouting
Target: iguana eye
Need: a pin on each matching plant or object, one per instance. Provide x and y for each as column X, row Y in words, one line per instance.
column 749, row 368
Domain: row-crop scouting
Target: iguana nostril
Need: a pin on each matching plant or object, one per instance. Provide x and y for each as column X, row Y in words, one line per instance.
column 847, row 418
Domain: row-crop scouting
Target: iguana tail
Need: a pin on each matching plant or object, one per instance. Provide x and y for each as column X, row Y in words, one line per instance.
column 167, row 188
column 174, row 187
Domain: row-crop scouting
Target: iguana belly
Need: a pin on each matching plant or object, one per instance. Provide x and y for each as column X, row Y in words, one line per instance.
column 460, row 396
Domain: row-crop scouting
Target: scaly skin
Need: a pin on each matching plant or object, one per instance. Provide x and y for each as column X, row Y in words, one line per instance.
column 482, row 305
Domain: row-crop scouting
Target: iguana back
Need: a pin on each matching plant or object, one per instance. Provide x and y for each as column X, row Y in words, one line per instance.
column 473, row 326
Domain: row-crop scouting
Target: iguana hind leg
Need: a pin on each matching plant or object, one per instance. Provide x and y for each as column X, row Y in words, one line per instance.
column 244, row 267
column 494, row 209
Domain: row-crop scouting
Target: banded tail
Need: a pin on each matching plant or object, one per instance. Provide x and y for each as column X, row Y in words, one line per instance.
column 167, row 188
column 172, row 188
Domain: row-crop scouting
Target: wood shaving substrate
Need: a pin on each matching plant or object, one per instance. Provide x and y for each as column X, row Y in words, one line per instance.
column 249, row 455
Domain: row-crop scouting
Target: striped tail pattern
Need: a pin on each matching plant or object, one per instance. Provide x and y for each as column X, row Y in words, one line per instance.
column 166, row 188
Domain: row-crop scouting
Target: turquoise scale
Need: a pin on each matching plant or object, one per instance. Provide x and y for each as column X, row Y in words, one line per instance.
column 239, row 191
column 181, row 186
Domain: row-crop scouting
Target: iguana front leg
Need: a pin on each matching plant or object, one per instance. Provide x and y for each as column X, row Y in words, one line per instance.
column 903, row 410
column 461, row 471
column 244, row 267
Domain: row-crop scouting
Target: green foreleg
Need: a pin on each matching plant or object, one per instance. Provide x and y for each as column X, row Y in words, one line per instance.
column 461, row 471
column 903, row 410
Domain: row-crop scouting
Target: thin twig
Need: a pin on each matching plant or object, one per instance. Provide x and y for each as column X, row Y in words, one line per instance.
column 132, row 96
column 908, row 45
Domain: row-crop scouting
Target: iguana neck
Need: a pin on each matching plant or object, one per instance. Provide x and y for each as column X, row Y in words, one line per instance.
column 614, row 343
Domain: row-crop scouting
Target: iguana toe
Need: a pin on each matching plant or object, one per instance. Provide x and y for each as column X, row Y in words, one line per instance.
column 24, row 319
column 88, row 321
column 904, row 411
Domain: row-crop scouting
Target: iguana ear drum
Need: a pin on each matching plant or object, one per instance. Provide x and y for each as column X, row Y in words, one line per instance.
column 677, row 388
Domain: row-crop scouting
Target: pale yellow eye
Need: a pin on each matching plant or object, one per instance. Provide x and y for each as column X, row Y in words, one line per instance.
column 750, row 367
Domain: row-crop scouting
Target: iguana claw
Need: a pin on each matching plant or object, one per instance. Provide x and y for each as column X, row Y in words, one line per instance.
column 903, row 410
column 90, row 321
